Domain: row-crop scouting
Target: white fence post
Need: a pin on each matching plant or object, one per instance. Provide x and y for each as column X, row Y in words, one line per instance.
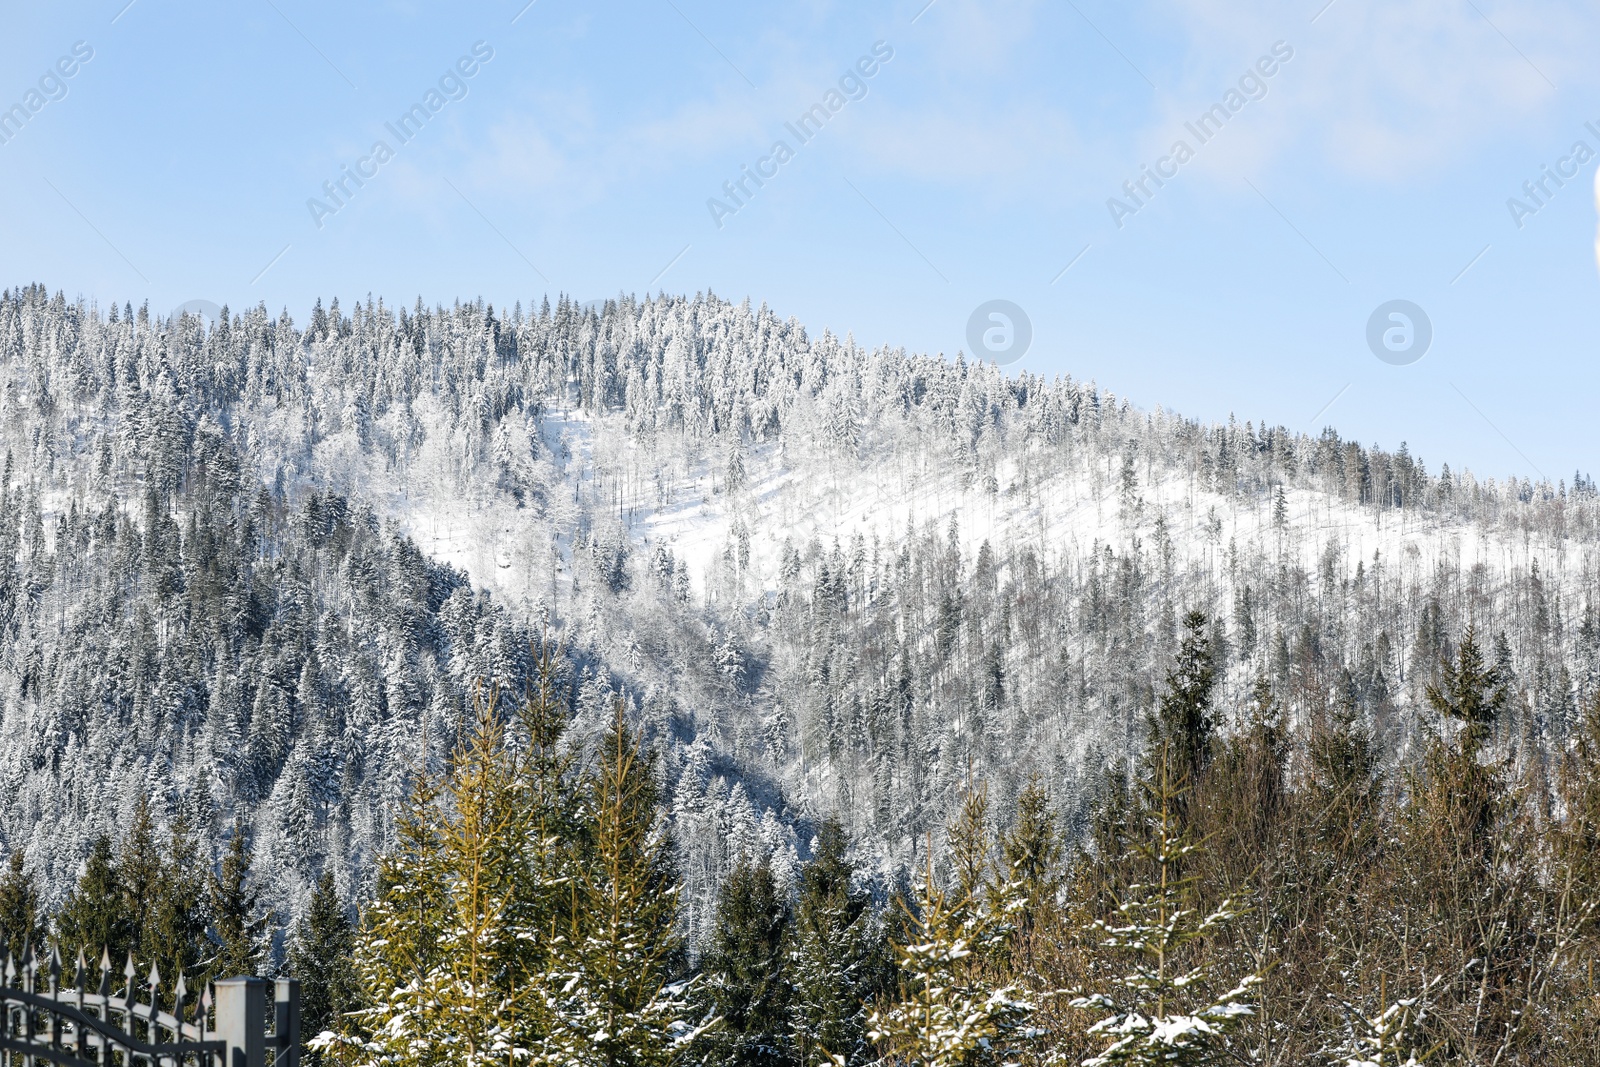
column 242, row 1020
column 286, row 1022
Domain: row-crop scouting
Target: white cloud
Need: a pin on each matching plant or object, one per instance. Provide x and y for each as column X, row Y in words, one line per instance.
column 1389, row 90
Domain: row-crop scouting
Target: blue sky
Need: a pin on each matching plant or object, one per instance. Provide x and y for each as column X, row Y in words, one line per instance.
column 976, row 162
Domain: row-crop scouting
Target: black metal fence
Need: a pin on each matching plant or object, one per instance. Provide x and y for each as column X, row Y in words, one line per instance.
column 45, row 1021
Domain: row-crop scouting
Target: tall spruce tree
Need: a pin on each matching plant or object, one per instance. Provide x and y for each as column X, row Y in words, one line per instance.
column 1032, row 851
column 1184, row 721
column 1578, row 836
column 841, row 961
column 237, row 923
column 399, row 946
column 174, row 934
column 94, row 920
column 21, row 920
column 443, row 951
column 477, row 904
column 744, row 978
column 1461, row 792
column 1256, row 758
column 320, row 955
column 142, row 877
column 1472, row 691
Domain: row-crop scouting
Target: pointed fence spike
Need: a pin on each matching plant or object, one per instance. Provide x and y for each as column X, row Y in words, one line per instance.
column 55, row 968
column 130, row 970
column 155, row 995
column 105, row 972
column 180, row 992
column 82, row 971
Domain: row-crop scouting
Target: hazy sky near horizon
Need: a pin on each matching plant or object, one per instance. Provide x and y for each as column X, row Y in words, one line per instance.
column 1361, row 151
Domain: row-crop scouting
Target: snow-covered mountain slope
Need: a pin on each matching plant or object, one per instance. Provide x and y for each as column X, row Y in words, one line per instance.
column 257, row 570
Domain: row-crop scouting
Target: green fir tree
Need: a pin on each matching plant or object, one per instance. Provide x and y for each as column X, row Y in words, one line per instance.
column 237, row 923
column 612, row 991
column 1184, row 722
column 93, row 920
column 841, row 961
column 320, row 954
column 744, row 973
column 21, row 920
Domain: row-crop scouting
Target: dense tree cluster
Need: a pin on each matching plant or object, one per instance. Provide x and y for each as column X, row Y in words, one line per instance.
column 245, row 577
column 1269, row 897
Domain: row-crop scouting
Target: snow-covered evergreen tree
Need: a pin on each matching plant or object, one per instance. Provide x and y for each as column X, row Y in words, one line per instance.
column 1168, row 1006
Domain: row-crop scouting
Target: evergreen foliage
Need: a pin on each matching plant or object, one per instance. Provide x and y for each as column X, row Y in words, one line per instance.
column 238, row 926
column 94, row 918
column 450, row 952
column 841, row 962
column 1472, row 691
column 1185, row 722
column 232, row 590
column 614, row 991
column 1032, row 851
column 21, row 919
column 320, row 955
column 174, row 935
column 1166, row 1008
column 745, row 980
column 954, row 1006
column 142, row 877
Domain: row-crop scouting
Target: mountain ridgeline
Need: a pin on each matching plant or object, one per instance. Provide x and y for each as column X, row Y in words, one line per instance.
column 256, row 571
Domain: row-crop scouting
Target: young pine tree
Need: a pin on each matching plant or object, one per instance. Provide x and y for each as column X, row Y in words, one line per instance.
column 474, row 906
column 955, row 1006
column 443, row 951
column 610, row 990
column 971, row 845
column 320, row 954
column 744, row 973
column 1165, row 1009
column 399, row 945
column 1391, row 1038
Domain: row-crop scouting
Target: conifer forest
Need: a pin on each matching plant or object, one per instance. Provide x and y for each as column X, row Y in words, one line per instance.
column 650, row 682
